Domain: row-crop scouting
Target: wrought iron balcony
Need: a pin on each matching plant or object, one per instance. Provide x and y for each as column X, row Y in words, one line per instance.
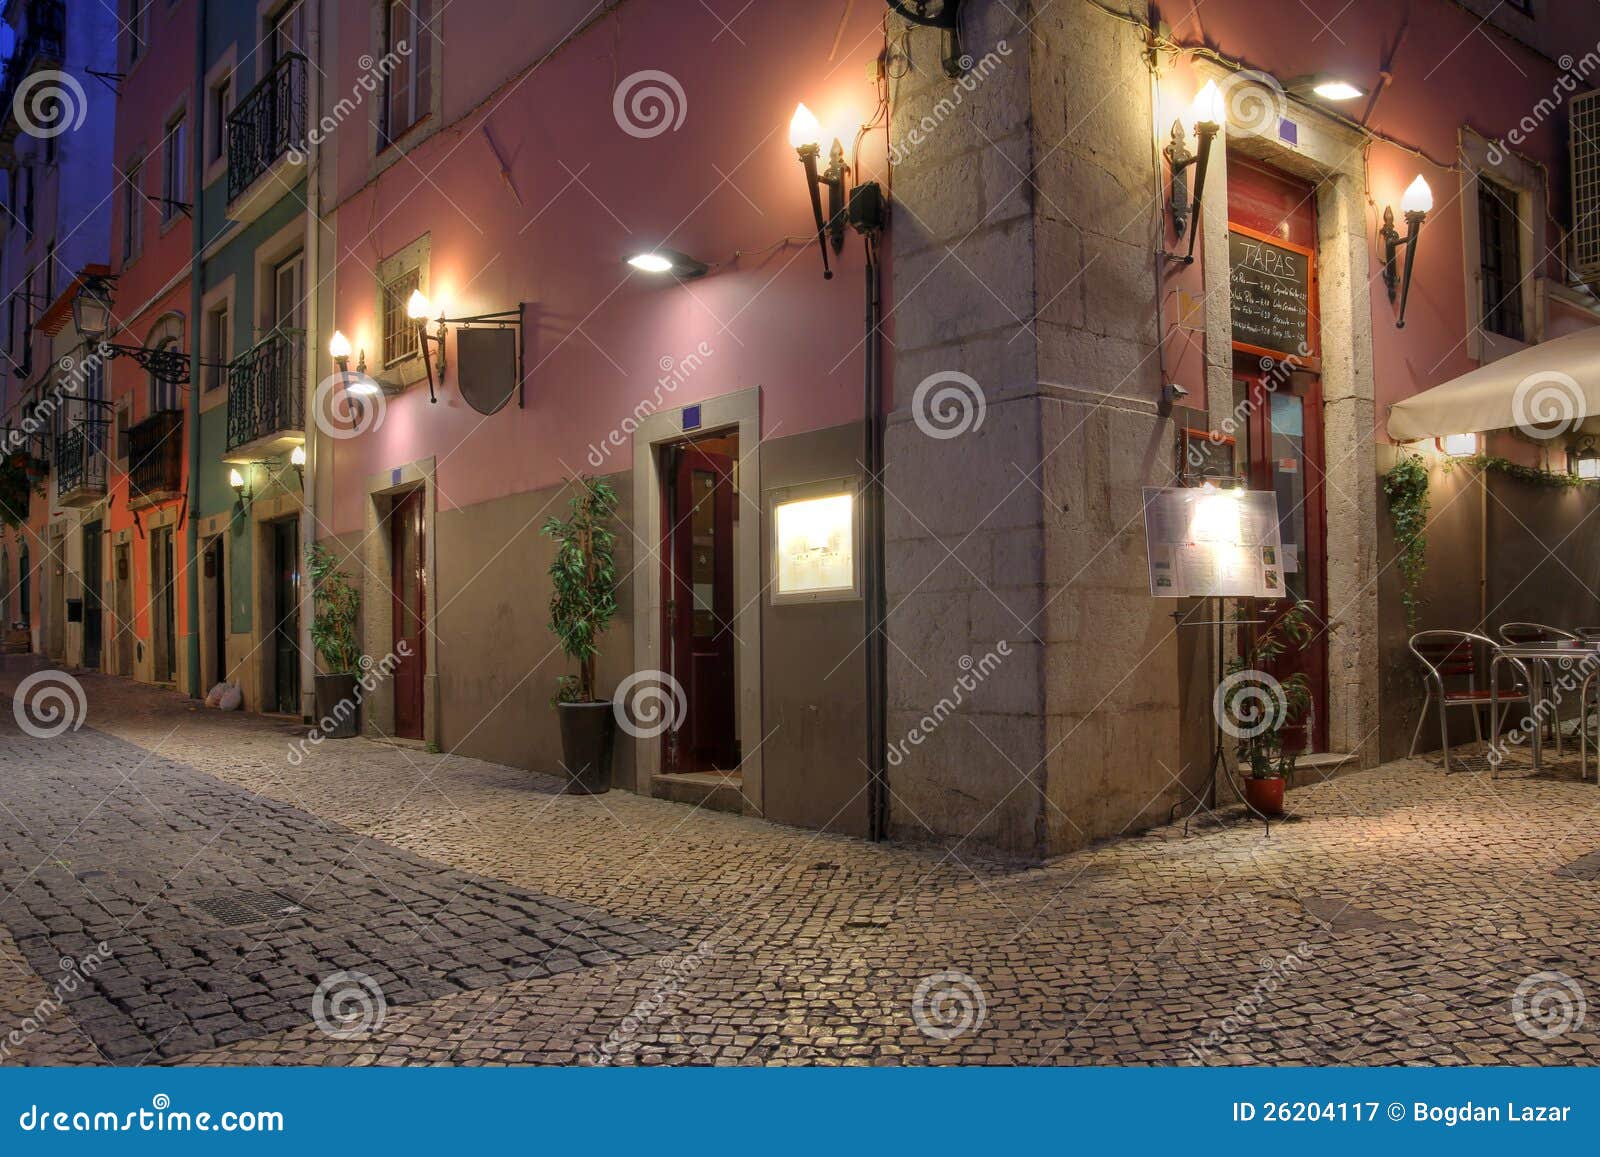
column 155, row 459
column 266, row 397
column 268, row 123
column 81, row 462
column 43, row 45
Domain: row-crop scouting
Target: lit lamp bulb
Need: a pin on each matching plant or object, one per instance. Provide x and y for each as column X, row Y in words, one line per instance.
column 297, row 456
column 805, row 131
column 339, row 346
column 235, row 479
column 417, row 306
column 1418, row 198
column 1209, row 109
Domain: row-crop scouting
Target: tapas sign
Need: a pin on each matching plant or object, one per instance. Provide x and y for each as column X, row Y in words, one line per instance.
column 1271, row 295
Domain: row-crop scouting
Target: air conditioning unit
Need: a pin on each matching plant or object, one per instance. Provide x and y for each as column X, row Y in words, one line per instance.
column 1584, row 143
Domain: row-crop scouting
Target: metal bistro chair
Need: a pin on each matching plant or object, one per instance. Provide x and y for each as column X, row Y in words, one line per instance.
column 1516, row 634
column 1453, row 655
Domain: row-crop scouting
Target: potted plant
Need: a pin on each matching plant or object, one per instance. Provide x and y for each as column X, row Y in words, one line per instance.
column 583, row 601
column 1257, row 708
column 336, row 606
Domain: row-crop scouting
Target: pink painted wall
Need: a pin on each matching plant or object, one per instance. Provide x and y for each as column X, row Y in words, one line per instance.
column 586, row 195
column 1450, row 69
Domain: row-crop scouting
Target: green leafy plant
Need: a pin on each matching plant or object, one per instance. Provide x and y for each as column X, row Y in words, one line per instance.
column 584, row 577
column 18, row 484
column 1406, row 485
column 336, row 607
column 1258, row 708
column 1555, row 480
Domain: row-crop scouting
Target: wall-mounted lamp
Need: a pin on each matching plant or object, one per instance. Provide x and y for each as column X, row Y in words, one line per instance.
column 658, row 260
column 297, row 459
column 1209, row 113
column 1415, row 204
column 804, row 134
column 1583, row 460
column 417, row 309
column 241, row 489
column 339, row 350
column 1458, row 445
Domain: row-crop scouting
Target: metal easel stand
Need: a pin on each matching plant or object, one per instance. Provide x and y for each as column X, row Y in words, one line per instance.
column 1218, row 763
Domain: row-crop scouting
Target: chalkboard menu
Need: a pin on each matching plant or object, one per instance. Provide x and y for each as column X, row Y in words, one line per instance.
column 1269, row 294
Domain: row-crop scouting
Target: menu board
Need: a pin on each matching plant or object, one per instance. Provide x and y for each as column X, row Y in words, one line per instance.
column 1205, row 542
column 1269, row 294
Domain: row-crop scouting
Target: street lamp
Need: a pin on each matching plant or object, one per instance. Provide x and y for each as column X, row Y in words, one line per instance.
column 1209, row 112
column 1415, row 203
column 804, row 134
column 417, row 309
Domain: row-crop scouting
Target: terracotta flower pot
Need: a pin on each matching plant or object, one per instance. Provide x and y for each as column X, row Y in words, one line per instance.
column 1265, row 795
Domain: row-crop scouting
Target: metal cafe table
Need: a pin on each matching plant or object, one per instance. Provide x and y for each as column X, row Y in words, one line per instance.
column 1535, row 660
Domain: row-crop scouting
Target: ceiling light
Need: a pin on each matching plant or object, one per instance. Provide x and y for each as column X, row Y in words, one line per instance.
column 680, row 265
column 1337, row 90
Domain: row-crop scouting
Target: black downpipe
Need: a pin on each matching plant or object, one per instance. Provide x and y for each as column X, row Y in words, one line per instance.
column 874, row 577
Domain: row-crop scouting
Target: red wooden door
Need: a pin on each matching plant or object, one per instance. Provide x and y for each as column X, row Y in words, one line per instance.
column 409, row 589
column 700, row 610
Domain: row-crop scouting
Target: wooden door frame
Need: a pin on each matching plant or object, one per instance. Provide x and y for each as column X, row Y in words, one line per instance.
column 398, row 583
column 739, row 411
column 377, row 617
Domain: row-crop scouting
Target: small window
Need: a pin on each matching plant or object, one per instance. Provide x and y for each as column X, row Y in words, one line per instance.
column 132, row 211
column 122, row 436
column 138, row 30
column 221, row 106
column 173, row 184
column 25, row 198
column 1500, row 255
column 50, row 274
column 219, row 345
column 408, row 93
column 399, row 331
column 11, row 324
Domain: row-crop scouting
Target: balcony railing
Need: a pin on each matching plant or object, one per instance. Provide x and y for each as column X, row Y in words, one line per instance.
column 269, row 121
column 81, row 458
column 43, row 44
column 155, row 458
column 265, row 393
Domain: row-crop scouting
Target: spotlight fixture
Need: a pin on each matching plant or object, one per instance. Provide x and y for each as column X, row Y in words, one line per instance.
column 1337, row 90
column 804, row 135
column 1458, row 445
column 1583, row 461
column 680, row 265
column 1415, row 203
column 1209, row 113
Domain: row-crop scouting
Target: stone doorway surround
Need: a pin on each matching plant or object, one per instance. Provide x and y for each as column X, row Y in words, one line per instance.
column 740, row 411
column 1331, row 156
column 377, row 611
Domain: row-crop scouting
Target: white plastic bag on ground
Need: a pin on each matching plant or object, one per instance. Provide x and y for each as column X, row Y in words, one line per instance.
column 231, row 698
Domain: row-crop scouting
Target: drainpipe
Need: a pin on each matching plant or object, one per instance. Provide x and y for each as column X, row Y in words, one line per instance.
column 873, row 577
column 313, row 360
column 191, row 532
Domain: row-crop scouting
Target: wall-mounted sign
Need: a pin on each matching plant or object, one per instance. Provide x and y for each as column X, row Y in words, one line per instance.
column 1270, row 295
column 1207, row 542
column 814, row 557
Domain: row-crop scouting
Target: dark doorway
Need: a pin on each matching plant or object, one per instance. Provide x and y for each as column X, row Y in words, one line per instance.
column 285, row 610
column 163, row 615
column 93, row 575
column 409, row 589
column 25, row 588
column 216, row 572
column 122, row 620
column 699, row 604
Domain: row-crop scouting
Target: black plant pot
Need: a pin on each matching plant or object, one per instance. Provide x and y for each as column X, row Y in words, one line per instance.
column 338, row 708
column 588, row 731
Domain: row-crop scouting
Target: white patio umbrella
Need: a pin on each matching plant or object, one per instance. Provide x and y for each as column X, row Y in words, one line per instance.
column 1548, row 389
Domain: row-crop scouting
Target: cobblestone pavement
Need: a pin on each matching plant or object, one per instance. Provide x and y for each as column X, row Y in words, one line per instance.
column 1400, row 917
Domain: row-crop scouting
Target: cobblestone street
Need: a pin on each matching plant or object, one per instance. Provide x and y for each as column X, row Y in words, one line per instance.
column 1391, row 920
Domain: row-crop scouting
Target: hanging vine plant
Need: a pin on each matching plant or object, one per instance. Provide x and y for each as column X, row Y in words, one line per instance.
column 1406, row 485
